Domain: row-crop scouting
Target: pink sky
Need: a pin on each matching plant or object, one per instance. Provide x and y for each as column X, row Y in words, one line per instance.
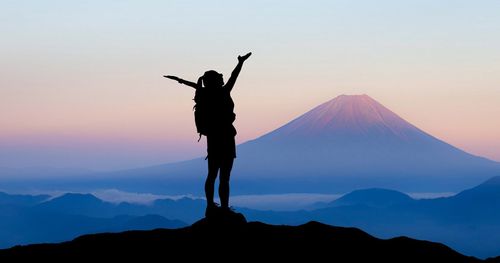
column 81, row 84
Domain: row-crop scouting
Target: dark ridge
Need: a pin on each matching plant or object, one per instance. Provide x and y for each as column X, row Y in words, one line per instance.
column 233, row 239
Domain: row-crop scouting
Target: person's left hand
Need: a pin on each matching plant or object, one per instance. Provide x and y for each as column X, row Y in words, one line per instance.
column 243, row 58
column 173, row 77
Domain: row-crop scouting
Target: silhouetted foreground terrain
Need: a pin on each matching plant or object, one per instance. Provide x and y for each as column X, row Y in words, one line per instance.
column 226, row 239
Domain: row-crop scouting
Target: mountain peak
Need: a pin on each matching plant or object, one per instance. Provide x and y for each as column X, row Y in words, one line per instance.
column 351, row 97
column 349, row 115
column 77, row 197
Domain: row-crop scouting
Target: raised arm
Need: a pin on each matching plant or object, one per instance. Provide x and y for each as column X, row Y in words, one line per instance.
column 185, row 82
column 236, row 71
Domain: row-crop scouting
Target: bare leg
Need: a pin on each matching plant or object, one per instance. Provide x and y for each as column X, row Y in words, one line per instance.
column 213, row 169
column 225, row 173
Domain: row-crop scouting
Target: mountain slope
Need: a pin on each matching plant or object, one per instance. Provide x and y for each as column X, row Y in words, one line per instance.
column 349, row 142
column 355, row 135
column 250, row 241
column 351, row 116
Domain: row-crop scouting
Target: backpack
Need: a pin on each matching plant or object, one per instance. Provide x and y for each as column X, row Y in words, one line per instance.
column 200, row 108
column 209, row 104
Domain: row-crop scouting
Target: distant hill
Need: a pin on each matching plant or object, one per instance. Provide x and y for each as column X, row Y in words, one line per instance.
column 25, row 226
column 28, row 219
column 185, row 209
column 79, row 204
column 485, row 194
column 311, row 242
column 479, row 205
column 468, row 221
column 22, row 200
column 375, row 197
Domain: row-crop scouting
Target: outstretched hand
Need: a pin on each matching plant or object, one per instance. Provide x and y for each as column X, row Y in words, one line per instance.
column 173, row 77
column 243, row 58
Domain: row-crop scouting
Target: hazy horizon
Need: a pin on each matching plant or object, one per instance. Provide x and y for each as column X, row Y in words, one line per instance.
column 275, row 202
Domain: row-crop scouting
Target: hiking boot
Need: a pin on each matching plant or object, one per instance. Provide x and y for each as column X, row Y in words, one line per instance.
column 231, row 216
column 211, row 210
column 227, row 210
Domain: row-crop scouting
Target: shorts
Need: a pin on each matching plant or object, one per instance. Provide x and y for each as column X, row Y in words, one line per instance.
column 221, row 147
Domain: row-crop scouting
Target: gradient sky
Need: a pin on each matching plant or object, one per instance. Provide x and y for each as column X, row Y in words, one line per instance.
column 81, row 81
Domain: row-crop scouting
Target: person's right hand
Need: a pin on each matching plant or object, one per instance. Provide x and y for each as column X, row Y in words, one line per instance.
column 172, row 77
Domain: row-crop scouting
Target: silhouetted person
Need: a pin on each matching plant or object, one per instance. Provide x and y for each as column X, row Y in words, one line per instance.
column 214, row 118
